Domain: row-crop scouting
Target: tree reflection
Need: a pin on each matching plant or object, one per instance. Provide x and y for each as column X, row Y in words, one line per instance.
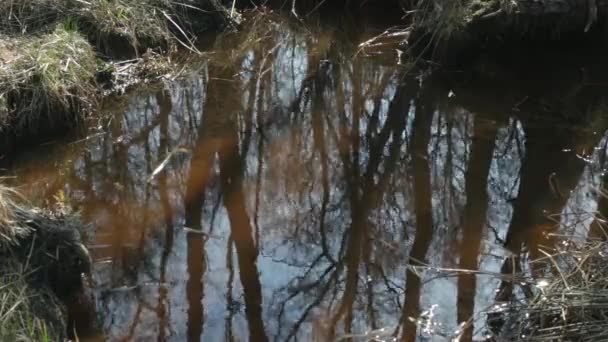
column 231, row 173
column 165, row 106
column 598, row 228
column 421, row 135
column 474, row 218
column 338, row 190
column 549, row 174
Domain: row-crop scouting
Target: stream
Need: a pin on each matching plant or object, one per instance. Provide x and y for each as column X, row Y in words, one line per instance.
column 294, row 187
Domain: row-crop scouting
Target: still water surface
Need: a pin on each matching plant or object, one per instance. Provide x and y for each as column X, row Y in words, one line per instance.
column 292, row 188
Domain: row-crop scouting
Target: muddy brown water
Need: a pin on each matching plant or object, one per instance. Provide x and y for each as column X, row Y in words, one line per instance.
column 296, row 188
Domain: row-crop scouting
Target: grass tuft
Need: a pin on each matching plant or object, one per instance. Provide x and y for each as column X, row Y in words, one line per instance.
column 10, row 227
column 51, row 51
column 568, row 303
column 443, row 20
column 137, row 21
column 143, row 23
column 51, row 75
column 42, row 261
column 21, row 318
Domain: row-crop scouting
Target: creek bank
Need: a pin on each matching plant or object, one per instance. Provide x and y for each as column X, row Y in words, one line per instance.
column 54, row 68
column 42, row 261
column 453, row 32
column 58, row 56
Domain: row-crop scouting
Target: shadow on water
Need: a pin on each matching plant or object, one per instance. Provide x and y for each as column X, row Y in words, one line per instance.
column 293, row 190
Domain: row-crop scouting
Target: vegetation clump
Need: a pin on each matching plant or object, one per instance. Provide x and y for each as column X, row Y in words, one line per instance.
column 147, row 23
column 42, row 261
column 27, row 314
column 443, row 18
column 52, row 52
column 568, row 300
column 446, row 29
column 50, row 77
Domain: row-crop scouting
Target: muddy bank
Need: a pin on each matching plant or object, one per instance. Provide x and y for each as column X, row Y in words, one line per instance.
column 53, row 67
column 58, row 56
column 42, row 261
column 454, row 31
column 539, row 84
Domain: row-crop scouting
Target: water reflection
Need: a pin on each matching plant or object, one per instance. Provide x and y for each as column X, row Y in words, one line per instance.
column 474, row 218
column 308, row 195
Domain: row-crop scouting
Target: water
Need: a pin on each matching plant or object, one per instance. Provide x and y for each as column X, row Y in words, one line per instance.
column 294, row 188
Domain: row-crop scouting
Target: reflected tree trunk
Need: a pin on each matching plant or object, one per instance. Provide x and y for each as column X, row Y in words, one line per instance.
column 421, row 135
column 164, row 102
column 320, row 144
column 550, row 171
column 350, row 157
column 119, row 234
column 474, row 218
column 200, row 174
column 231, row 175
column 223, row 137
column 197, row 263
column 365, row 194
column 598, row 229
column 228, row 333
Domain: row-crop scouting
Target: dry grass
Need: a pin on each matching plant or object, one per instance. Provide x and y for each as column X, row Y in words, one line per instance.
column 441, row 20
column 42, row 260
column 432, row 24
column 20, row 316
column 144, row 23
column 439, row 23
column 137, row 21
column 30, row 16
column 51, row 75
column 26, row 313
column 10, row 227
column 51, row 50
column 570, row 298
